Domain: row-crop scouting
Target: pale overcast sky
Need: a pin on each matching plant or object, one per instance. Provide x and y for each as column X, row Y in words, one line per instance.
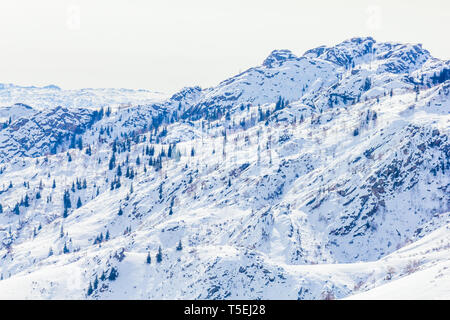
column 167, row 44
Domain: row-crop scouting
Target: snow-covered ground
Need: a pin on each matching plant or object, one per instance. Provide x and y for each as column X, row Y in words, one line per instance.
column 338, row 190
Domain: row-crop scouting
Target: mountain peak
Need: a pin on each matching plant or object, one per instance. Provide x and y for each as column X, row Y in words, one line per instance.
column 345, row 52
column 278, row 56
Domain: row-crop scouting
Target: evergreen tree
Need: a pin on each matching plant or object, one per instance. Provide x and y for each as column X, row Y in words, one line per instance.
column 16, row 209
column 367, row 84
column 80, row 143
column 149, row 259
column 179, row 247
column 65, row 249
column 72, row 142
column 79, row 204
column 112, row 161
column 66, row 200
column 89, row 290
column 54, row 184
column 159, row 255
column 120, row 211
column 113, row 274
column 89, row 150
column 95, row 283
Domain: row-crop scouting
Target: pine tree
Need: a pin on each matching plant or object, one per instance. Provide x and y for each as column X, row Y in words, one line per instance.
column 16, row 209
column 112, row 161
column 89, row 290
column 65, row 249
column 113, row 274
column 367, row 84
column 159, row 255
column 179, row 247
column 54, row 184
column 120, row 211
column 79, row 204
column 72, row 142
column 149, row 258
column 89, row 150
column 95, row 283
column 80, row 143
column 26, row 202
column 50, row 252
column 66, row 200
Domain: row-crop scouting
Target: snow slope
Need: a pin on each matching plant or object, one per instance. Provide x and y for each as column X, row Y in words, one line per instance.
column 324, row 176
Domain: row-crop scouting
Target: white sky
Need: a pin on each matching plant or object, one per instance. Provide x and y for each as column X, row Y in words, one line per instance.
column 167, row 44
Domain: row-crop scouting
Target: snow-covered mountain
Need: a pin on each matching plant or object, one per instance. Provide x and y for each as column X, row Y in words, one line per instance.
column 318, row 176
column 50, row 96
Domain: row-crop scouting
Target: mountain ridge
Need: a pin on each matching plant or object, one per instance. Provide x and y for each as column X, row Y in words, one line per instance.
column 303, row 178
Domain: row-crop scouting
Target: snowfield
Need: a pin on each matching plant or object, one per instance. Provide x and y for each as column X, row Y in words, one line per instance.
column 323, row 176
